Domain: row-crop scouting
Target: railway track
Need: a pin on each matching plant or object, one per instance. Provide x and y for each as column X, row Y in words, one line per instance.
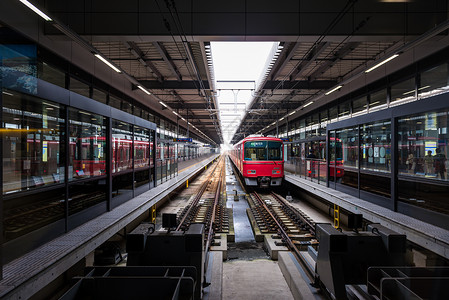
column 207, row 206
column 274, row 216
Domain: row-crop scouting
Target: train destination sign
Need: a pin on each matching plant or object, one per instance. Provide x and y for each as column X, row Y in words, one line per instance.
column 183, row 140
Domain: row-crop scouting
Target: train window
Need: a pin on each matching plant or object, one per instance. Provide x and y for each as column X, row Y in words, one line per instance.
column 87, row 144
column 263, row 150
column 274, row 150
column 32, row 150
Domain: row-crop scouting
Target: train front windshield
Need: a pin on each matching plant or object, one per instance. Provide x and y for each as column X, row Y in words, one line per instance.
column 263, row 150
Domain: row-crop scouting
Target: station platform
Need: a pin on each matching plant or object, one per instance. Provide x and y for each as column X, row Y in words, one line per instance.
column 31, row 272
column 426, row 235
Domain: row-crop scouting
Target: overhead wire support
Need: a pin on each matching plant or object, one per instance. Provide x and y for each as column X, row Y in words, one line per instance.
column 200, row 86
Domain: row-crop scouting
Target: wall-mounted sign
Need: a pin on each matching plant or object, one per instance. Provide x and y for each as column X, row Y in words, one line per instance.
column 284, row 139
column 183, row 140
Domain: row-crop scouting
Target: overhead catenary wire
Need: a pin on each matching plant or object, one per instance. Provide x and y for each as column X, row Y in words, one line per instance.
column 349, row 4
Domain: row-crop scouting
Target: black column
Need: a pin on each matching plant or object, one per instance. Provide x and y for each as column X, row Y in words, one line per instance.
column 66, row 166
column 109, row 163
column 133, row 185
column 1, row 188
column 359, row 160
column 327, row 155
column 154, row 158
column 394, row 165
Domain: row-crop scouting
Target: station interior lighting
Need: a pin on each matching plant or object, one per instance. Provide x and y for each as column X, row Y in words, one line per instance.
column 163, row 104
column 382, row 62
column 107, row 63
column 331, row 91
column 326, row 94
column 144, row 90
column 36, row 10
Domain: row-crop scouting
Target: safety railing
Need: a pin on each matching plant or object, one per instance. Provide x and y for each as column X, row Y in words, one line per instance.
column 312, row 169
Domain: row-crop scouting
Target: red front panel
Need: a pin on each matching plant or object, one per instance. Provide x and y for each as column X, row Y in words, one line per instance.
column 272, row 169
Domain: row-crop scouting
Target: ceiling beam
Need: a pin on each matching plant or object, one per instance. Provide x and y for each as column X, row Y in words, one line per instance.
column 171, row 65
column 135, row 50
column 342, row 52
column 311, row 57
column 300, row 84
column 289, row 52
column 173, row 84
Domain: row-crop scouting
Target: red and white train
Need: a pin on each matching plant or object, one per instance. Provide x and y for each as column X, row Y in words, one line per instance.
column 259, row 160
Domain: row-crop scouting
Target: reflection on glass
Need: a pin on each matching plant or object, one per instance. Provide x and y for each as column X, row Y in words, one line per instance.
column 403, row 92
column 344, row 110
column 99, row 96
column 359, row 106
column 378, row 100
column 84, row 194
column 115, row 102
column 79, row 87
column 50, row 74
column 122, row 140
column 141, row 147
column 423, row 160
column 33, row 135
column 423, row 145
column 375, row 152
column 333, row 113
column 434, row 81
column 26, row 213
column 346, row 150
column 87, row 142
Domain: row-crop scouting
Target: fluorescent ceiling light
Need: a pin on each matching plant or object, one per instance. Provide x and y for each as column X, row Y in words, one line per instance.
column 311, row 102
column 144, row 90
column 292, row 113
column 175, row 113
column 163, row 103
column 107, row 62
column 382, row 62
column 333, row 90
column 36, row 10
column 281, row 119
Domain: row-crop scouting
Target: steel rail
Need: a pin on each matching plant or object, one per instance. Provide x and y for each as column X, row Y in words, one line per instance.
column 284, row 236
column 298, row 214
column 212, row 218
column 198, row 196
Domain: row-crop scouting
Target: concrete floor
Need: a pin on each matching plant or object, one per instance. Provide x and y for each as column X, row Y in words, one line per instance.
column 248, row 273
column 242, row 226
column 259, row 279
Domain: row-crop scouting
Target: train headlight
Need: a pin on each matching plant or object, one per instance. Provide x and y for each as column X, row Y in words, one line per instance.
column 251, row 171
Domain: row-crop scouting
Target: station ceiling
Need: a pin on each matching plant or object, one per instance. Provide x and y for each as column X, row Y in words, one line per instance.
column 165, row 46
